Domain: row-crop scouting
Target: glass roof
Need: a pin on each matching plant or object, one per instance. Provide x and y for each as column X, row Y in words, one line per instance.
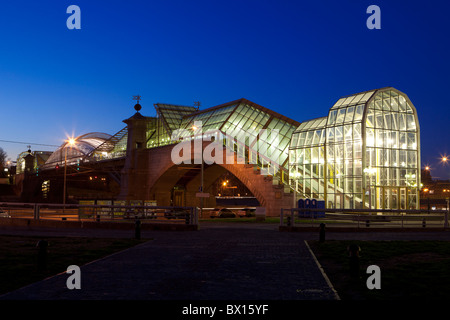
column 244, row 121
column 260, row 131
column 359, row 98
column 84, row 145
column 315, row 123
column 346, row 110
column 171, row 115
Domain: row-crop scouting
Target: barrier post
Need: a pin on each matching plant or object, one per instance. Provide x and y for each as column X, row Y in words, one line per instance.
column 36, row 211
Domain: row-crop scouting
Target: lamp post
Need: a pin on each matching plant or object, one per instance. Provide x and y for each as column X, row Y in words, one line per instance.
column 194, row 129
column 71, row 143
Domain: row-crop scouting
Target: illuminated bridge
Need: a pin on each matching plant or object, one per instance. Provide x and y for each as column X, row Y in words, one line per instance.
column 364, row 154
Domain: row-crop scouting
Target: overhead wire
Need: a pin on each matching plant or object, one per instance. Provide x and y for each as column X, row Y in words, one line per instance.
column 30, row 143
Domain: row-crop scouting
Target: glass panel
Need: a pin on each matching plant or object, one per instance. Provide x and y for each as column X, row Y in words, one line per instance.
column 370, row 119
column 386, row 105
column 379, row 121
column 332, row 117
column 367, row 96
column 339, row 102
column 359, row 112
column 330, row 135
column 338, row 134
column 349, row 114
column 340, row 116
column 410, row 122
column 378, row 104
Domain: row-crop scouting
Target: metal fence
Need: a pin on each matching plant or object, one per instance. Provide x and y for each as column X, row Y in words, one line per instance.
column 364, row 218
column 85, row 212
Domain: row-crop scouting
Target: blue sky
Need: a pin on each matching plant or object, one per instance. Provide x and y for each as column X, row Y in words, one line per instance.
column 294, row 57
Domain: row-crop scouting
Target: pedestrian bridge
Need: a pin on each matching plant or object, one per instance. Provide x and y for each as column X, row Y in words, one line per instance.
column 155, row 176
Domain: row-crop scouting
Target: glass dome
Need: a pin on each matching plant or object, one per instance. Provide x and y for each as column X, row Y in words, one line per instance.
column 83, row 147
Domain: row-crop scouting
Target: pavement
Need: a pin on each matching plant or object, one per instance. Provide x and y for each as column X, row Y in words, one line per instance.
column 220, row 262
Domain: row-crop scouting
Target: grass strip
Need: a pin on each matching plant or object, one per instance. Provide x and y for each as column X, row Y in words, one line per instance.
column 19, row 256
column 410, row 270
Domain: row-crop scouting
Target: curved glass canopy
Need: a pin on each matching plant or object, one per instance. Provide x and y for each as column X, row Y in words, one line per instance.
column 364, row 154
column 83, row 146
column 256, row 134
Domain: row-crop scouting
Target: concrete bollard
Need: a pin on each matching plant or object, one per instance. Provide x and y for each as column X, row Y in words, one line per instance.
column 322, row 232
column 42, row 255
column 137, row 229
column 354, row 251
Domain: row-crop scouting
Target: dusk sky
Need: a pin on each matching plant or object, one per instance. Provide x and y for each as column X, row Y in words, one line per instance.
column 294, row 57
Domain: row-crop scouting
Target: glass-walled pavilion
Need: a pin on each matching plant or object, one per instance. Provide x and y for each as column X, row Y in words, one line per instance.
column 364, row 154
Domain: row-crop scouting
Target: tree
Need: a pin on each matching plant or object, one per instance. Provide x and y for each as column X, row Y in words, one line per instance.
column 3, row 156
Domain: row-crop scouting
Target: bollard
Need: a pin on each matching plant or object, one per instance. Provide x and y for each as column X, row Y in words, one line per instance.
column 137, row 229
column 187, row 218
column 367, row 223
column 424, row 223
column 288, row 222
column 353, row 251
column 322, row 232
column 42, row 255
column 98, row 218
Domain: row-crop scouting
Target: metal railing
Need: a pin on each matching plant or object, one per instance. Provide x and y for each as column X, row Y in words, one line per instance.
column 88, row 212
column 364, row 218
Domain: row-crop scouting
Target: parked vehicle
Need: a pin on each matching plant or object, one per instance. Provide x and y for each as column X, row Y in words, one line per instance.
column 176, row 213
column 222, row 213
column 4, row 214
column 246, row 212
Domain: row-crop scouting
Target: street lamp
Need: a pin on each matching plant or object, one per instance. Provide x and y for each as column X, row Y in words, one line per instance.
column 194, row 129
column 71, row 142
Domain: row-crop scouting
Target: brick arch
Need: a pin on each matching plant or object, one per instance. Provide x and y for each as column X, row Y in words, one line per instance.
column 169, row 178
column 156, row 174
column 167, row 169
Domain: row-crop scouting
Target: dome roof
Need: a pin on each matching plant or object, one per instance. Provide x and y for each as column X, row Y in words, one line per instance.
column 84, row 146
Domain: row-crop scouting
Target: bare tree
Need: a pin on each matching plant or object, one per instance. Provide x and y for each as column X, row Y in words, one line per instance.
column 3, row 156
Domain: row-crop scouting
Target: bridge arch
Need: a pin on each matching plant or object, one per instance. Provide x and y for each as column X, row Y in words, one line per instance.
column 156, row 176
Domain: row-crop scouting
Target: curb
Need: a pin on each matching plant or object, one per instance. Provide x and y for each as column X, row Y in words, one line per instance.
column 322, row 271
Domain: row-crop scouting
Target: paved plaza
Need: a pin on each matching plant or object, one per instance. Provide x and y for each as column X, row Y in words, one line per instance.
column 218, row 262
